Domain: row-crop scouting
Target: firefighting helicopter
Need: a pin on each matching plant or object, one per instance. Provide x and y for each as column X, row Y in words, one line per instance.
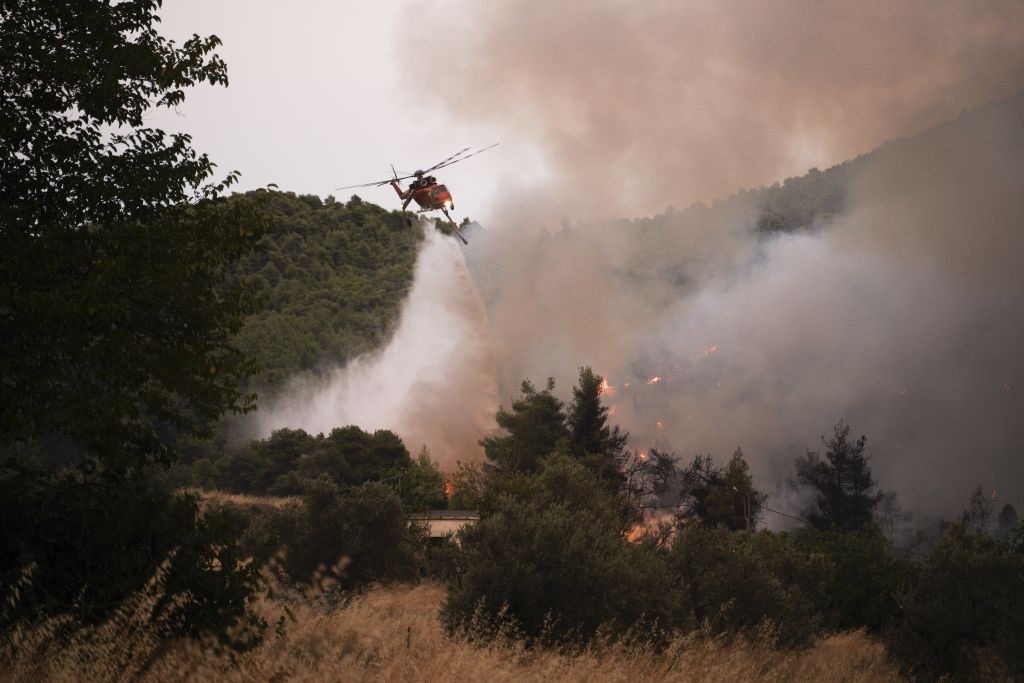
column 425, row 190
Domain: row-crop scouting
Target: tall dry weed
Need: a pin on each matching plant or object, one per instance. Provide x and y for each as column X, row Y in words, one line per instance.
column 393, row 634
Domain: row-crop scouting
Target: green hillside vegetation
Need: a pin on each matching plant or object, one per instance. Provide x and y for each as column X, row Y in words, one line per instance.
column 334, row 276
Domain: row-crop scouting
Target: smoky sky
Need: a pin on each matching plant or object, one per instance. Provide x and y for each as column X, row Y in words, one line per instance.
column 901, row 315
column 635, row 106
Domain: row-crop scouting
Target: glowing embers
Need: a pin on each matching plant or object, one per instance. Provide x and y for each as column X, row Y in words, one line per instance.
column 604, row 388
column 653, row 380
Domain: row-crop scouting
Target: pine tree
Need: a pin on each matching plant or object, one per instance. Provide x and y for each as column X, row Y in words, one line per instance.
column 845, row 493
column 534, row 425
column 591, row 439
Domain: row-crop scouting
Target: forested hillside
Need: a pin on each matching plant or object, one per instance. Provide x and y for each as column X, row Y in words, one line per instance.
column 333, row 274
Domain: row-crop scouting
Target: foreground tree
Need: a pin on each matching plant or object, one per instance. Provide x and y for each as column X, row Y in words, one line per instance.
column 117, row 311
column 116, row 302
column 845, row 493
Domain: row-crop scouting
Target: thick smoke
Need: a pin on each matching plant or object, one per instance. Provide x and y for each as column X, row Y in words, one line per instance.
column 433, row 383
column 639, row 105
column 901, row 316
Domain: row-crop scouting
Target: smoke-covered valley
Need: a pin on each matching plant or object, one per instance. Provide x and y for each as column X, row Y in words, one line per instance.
column 893, row 304
column 899, row 314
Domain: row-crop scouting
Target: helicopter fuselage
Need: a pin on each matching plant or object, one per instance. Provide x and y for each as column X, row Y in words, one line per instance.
column 430, row 196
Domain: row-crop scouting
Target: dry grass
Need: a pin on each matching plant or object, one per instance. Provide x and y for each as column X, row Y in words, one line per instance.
column 393, row 634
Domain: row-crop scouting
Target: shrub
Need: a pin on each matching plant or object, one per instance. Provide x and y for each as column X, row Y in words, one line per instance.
column 356, row 536
column 737, row 582
column 852, row 577
column 551, row 563
column 965, row 612
column 82, row 547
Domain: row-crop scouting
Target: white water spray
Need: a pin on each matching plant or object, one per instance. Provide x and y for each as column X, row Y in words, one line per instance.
column 433, row 384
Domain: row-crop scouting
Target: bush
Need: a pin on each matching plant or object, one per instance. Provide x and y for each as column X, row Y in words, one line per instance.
column 355, row 537
column 552, row 564
column 83, row 547
column 737, row 582
column 965, row 612
column 852, row 577
column 283, row 463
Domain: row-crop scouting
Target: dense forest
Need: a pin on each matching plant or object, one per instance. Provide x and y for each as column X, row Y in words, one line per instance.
column 332, row 275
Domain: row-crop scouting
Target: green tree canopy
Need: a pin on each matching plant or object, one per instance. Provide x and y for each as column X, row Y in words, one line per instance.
column 535, row 426
column 116, row 301
column 289, row 459
column 590, row 437
column 720, row 495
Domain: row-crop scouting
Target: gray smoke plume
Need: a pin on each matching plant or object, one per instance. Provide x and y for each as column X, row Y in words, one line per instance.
column 636, row 105
column 901, row 315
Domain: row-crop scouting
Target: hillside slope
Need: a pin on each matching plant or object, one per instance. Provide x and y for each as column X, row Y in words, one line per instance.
column 334, row 275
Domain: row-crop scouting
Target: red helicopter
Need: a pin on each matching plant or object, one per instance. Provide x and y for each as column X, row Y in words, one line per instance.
column 428, row 193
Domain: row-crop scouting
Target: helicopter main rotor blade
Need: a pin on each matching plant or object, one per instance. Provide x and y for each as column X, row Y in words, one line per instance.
column 376, row 183
column 455, row 161
column 464, row 149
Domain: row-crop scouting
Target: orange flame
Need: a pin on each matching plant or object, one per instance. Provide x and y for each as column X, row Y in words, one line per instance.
column 661, row 425
column 449, row 489
column 612, row 410
column 604, row 388
column 654, row 380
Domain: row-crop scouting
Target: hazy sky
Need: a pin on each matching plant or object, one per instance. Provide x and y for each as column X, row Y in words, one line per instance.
column 603, row 109
column 316, row 101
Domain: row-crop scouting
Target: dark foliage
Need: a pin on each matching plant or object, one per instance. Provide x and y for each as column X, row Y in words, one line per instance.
column 735, row 582
column 550, row 563
column 117, row 304
column 805, row 201
column 83, row 547
column 591, row 438
column 964, row 614
column 720, row 495
column 283, row 463
column 845, row 493
column 535, row 426
column 334, row 275
column 352, row 537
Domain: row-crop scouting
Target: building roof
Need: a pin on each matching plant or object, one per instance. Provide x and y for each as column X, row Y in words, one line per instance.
column 472, row 515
